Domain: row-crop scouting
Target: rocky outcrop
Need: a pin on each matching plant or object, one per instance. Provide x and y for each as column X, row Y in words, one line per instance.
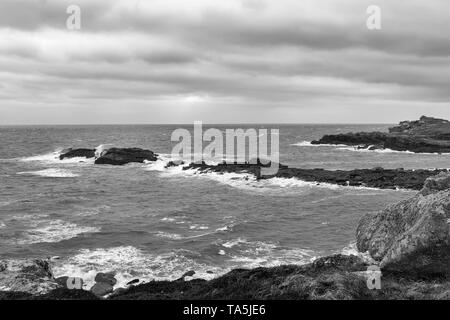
column 119, row 156
column 427, row 135
column 112, row 156
column 413, row 236
column 77, row 153
column 374, row 178
column 27, row 276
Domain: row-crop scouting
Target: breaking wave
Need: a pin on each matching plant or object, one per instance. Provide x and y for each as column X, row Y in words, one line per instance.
column 54, row 231
column 130, row 263
column 244, row 180
column 51, row 173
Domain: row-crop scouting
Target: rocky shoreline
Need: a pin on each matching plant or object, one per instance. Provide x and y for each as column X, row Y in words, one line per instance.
column 371, row 178
column 408, row 244
column 426, row 135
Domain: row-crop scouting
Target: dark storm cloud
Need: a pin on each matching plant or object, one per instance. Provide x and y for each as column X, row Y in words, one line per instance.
column 305, row 57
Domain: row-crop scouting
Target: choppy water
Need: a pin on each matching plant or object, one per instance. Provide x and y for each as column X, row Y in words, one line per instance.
column 147, row 222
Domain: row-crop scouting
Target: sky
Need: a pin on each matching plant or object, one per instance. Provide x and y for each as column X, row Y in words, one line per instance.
column 216, row 61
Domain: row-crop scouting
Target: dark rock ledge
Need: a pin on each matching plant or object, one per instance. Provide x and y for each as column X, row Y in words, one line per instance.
column 112, row 156
column 427, row 135
column 409, row 241
column 374, row 178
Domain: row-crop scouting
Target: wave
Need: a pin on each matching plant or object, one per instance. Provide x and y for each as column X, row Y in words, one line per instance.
column 53, row 158
column 345, row 147
column 2, row 225
column 246, row 181
column 309, row 144
column 54, row 231
column 51, row 173
column 252, row 254
column 368, row 149
column 94, row 211
column 130, row 263
column 352, row 250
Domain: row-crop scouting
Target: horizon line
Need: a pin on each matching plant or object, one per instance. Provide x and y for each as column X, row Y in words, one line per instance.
column 191, row 123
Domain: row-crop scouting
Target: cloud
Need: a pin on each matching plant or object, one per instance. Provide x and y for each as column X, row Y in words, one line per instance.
column 252, row 57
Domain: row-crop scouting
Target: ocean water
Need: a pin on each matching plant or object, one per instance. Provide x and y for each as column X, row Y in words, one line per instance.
column 144, row 221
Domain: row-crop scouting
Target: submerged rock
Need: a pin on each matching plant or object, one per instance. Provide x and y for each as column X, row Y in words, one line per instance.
column 122, row 156
column 77, row 153
column 413, row 236
column 427, row 135
column 28, row 276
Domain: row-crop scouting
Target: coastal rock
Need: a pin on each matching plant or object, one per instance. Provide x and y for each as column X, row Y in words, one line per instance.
column 101, row 289
column 28, row 276
column 133, row 282
column 77, row 153
column 71, row 283
column 106, row 278
column 436, row 183
column 413, row 236
column 427, row 135
column 122, row 156
column 375, row 178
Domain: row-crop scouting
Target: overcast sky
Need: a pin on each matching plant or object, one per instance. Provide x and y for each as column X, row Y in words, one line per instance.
column 223, row 61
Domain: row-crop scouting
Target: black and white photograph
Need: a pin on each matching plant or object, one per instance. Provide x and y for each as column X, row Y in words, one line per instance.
column 223, row 155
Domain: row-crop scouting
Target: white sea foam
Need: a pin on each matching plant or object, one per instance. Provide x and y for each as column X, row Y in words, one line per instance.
column 2, row 225
column 352, row 250
column 130, row 263
column 198, row 227
column 359, row 149
column 244, row 180
column 345, row 147
column 309, row 144
column 167, row 235
column 102, row 148
column 94, row 211
column 252, row 254
column 51, row 173
column 54, row 231
column 53, row 158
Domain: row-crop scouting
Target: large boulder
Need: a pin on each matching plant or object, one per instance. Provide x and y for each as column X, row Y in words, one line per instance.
column 28, row 276
column 413, row 236
column 121, row 156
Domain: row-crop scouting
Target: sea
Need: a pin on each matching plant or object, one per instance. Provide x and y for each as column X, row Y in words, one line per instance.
column 143, row 221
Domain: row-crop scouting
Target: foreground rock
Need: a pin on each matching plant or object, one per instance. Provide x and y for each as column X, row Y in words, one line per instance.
column 112, row 156
column 413, row 236
column 28, row 276
column 373, row 178
column 427, row 135
column 335, row 277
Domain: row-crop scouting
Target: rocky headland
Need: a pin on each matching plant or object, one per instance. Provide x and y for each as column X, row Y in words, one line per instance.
column 426, row 135
column 408, row 243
